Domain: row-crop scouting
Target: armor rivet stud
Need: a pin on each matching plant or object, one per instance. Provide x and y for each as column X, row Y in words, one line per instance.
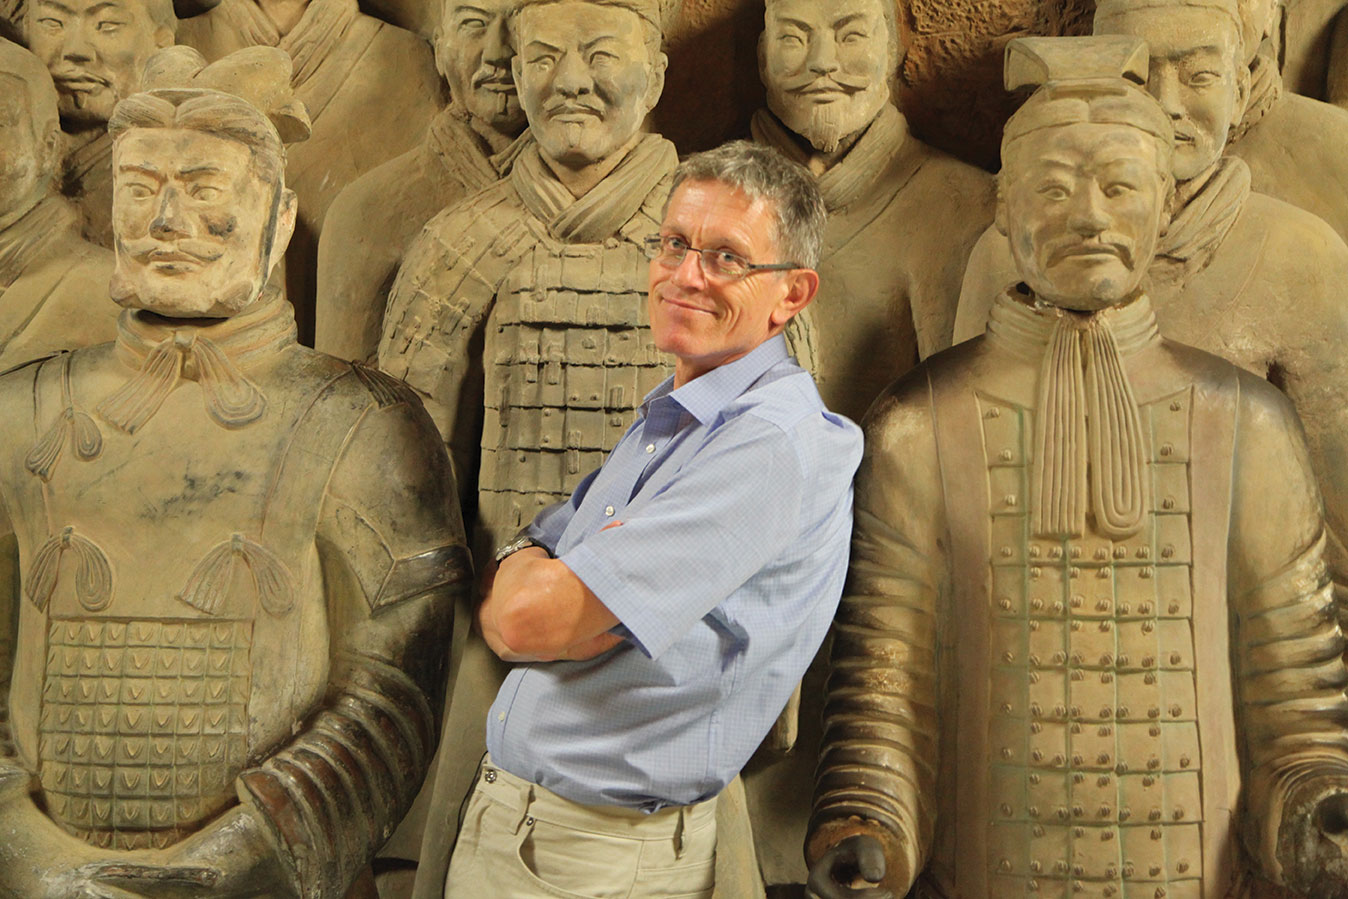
column 1160, row 893
column 1010, row 500
column 1005, row 455
column 1062, row 813
column 1076, row 552
column 1176, row 658
column 1178, row 814
column 1167, row 449
column 1102, row 554
column 1184, row 761
column 1175, row 406
column 1154, row 815
column 1005, row 604
column 1174, row 608
column 1148, row 780
column 1079, row 832
column 1054, row 553
column 1005, row 864
column 1124, row 814
column 1039, row 832
column 1006, row 809
column 1182, row 867
column 1006, row 552
column 1154, row 870
column 1156, row 833
column 1168, row 503
column 1078, row 777
column 1006, row 752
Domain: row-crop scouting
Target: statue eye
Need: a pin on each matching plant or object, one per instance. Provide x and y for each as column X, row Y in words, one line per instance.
column 205, row 193
column 473, row 24
column 138, row 190
column 1203, row 79
column 853, row 37
column 51, row 24
column 107, row 26
column 791, row 40
column 1119, row 189
column 1054, row 192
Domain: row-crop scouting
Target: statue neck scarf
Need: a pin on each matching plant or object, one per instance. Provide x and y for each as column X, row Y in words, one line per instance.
column 1265, row 89
column 163, row 352
column 607, row 206
column 1198, row 229
column 853, row 177
column 309, row 43
column 28, row 237
column 1089, row 453
column 463, row 152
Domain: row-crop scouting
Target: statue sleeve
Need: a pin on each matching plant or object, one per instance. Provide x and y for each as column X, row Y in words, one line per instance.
column 1287, row 646
column 394, row 563
column 877, row 769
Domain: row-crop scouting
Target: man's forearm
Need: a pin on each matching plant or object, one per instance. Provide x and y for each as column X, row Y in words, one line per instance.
column 538, row 611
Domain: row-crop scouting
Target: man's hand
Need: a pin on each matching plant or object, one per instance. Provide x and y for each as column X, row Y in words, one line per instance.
column 850, row 870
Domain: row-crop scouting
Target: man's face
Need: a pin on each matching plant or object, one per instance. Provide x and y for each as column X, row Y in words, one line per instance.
column 1082, row 210
column 709, row 321
column 585, row 79
column 95, row 50
column 1197, row 74
column 23, row 158
column 826, row 66
column 472, row 51
column 190, row 215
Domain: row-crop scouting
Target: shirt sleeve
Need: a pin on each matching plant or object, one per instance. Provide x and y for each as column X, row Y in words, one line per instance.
column 549, row 525
column 732, row 508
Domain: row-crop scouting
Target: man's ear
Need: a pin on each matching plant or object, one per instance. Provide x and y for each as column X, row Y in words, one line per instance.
column 802, row 286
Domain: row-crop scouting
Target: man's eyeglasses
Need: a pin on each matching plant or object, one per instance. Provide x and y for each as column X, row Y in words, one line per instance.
column 669, row 251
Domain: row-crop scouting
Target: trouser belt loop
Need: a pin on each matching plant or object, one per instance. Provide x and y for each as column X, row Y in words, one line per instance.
column 526, row 799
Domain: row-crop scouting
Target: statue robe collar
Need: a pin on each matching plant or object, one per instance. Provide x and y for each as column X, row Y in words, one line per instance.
column 1089, row 455
column 25, row 240
column 463, row 152
column 609, row 205
column 1200, row 225
column 163, row 352
column 309, row 43
column 1265, row 90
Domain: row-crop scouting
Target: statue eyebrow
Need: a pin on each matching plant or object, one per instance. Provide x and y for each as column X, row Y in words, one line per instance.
column 848, row 20
column 143, row 168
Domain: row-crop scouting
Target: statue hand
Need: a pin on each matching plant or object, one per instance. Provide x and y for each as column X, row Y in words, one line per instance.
column 1313, row 842
column 850, row 870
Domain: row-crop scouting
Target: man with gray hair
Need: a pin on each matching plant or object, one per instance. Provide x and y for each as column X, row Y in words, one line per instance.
column 96, row 51
column 51, row 279
column 643, row 683
column 903, row 216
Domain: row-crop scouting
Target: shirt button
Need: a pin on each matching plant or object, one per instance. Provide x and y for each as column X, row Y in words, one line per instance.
column 500, row 716
column 609, row 510
column 650, row 447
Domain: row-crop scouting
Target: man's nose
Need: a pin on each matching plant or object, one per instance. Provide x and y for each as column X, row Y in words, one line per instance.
column 573, row 76
column 169, row 221
column 688, row 273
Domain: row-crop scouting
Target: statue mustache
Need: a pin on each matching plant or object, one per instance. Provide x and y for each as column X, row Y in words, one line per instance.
column 1096, row 245
column 76, row 73
column 146, row 249
column 489, row 74
column 848, row 83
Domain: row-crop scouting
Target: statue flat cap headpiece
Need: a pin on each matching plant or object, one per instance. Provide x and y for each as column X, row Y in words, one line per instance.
column 663, row 14
column 34, row 78
column 1108, row 9
column 1082, row 80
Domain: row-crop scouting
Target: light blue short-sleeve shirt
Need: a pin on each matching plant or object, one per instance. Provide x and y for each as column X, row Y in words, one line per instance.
column 734, row 494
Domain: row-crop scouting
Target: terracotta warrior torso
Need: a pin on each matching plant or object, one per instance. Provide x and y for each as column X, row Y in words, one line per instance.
column 180, row 596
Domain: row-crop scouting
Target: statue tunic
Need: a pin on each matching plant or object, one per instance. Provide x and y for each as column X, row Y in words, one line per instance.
column 218, row 603
column 86, row 178
column 902, row 219
column 527, row 307
column 53, row 286
column 371, row 90
column 1020, row 707
column 374, row 220
column 1255, row 281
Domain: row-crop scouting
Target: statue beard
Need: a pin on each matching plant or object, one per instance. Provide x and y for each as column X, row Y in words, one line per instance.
column 131, row 288
column 827, row 125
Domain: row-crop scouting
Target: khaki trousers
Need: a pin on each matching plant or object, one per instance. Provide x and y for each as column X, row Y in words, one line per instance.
column 520, row 841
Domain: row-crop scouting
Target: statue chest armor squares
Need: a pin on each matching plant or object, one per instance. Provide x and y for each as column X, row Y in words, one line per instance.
column 145, row 703
column 570, row 359
column 1095, row 786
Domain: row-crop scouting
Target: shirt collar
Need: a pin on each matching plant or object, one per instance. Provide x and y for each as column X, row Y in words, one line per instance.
column 704, row 397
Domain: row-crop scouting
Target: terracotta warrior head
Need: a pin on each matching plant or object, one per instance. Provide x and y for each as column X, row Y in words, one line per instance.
column 1085, row 170
column 30, row 132
column 588, row 73
column 96, row 50
column 200, row 212
column 1199, row 71
column 827, row 67
column 473, row 53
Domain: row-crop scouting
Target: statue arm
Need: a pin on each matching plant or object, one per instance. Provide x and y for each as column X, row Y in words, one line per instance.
column 1287, row 651
column 877, row 769
column 433, row 325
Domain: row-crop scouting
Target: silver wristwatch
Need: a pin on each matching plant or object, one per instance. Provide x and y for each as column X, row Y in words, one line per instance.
column 523, row 541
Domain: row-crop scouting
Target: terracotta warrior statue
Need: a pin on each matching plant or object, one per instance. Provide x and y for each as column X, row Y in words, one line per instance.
column 96, row 51
column 468, row 146
column 903, row 216
column 1088, row 646
column 236, row 557
column 53, row 283
column 1237, row 273
column 371, row 90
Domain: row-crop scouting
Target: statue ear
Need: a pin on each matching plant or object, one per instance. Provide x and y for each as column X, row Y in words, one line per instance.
column 656, row 87
column 164, row 37
column 999, row 217
column 1242, row 95
column 285, row 227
